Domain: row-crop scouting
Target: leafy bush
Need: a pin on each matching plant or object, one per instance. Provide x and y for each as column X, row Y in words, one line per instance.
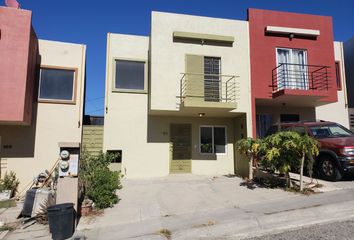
column 99, row 182
column 286, row 151
column 9, row 182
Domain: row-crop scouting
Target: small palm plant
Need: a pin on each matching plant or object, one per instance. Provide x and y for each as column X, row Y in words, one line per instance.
column 249, row 147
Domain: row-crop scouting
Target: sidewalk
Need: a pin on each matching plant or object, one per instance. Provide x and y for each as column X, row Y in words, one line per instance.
column 195, row 207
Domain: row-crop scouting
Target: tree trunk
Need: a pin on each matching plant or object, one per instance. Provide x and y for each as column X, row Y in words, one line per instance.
column 250, row 174
column 302, row 171
column 289, row 184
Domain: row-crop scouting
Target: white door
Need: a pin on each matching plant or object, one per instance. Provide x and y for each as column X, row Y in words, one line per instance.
column 292, row 71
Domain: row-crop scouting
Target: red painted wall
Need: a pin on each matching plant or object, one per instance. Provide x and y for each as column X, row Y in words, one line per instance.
column 18, row 51
column 263, row 48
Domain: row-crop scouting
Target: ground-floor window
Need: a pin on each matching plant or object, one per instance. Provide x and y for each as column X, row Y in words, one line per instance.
column 213, row 139
column 286, row 118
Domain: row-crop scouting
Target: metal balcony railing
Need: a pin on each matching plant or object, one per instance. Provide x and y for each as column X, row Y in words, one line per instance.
column 300, row 77
column 209, row 87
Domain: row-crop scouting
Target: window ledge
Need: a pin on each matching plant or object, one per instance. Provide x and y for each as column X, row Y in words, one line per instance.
column 56, row 101
column 117, row 90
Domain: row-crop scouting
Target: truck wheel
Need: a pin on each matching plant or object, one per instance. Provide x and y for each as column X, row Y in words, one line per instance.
column 328, row 169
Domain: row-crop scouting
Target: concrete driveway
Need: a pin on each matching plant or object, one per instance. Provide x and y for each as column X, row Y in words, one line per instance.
column 188, row 198
column 180, row 194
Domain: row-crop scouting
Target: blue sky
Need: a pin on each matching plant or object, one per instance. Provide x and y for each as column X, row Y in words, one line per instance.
column 88, row 22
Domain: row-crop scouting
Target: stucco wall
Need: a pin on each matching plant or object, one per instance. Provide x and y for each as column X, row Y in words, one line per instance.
column 263, row 50
column 168, row 57
column 18, row 49
column 126, row 114
column 35, row 148
column 338, row 111
column 145, row 139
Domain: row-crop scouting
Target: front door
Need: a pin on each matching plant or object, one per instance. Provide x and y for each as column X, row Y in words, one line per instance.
column 181, row 150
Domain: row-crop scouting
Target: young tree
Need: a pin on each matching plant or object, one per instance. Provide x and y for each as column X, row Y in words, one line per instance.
column 307, row 148
column 285, row 151
column 249, row 147
column 279, row 154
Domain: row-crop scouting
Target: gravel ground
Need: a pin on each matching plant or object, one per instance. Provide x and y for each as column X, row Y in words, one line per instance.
column 331, row 231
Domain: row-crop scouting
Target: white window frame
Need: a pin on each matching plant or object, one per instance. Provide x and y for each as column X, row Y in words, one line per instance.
column 291, row 61
column 212, row 139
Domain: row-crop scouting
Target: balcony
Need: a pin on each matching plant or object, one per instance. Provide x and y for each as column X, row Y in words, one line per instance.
column 309, row 81
column 208, row 91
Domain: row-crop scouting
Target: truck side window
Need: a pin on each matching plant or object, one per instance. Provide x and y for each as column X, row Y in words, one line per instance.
column 271, row 130
column 300, row 130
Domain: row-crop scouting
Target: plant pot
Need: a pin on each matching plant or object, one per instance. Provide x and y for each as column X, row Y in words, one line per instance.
column 5, row 195
column 86, row 208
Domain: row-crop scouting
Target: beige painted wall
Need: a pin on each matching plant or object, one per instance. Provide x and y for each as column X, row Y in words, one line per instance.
column 35, row 148
column 144, row 139
column 168, row 57
column 338, row 111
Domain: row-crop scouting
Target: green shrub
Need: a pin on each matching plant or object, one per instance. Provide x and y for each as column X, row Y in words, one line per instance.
column 99, row 182
column 9, row 182
column 287, row 151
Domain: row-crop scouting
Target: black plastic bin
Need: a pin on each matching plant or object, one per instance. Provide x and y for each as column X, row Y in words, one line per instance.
column 28, row 204
column 61, row 220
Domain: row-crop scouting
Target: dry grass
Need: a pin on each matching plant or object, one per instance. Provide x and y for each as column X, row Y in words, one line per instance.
column 166, row 233
column 208, row 224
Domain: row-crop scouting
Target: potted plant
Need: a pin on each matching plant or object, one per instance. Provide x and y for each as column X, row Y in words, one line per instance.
column 8, row 186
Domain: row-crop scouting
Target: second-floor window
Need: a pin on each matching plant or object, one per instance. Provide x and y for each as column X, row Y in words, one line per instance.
column 56, row 85
column 129, row 75
column 292, row 70
column 338, row 77
column 212, row 71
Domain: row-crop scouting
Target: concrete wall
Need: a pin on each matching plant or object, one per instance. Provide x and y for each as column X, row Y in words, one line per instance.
column 168, row 56
column 349, row 69
column 19, row 53
column 337, row 111
column 126, row 114
column 29, row 150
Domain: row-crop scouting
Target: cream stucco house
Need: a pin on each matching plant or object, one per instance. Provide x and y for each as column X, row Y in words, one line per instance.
column 178, row 100
column 57, row 113
column 41, row 105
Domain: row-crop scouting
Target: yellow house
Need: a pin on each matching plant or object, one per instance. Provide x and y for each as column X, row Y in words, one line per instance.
column 179, row 99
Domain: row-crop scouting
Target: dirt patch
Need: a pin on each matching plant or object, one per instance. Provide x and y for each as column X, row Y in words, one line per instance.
column 165, row 233
column 207, row 224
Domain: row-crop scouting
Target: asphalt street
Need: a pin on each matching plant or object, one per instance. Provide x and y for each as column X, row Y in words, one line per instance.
column 341, row 230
